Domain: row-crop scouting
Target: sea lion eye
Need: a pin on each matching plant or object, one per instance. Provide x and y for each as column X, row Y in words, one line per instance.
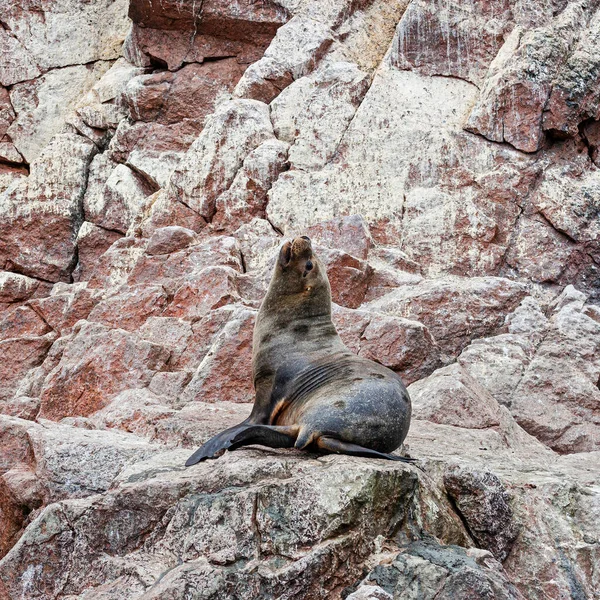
column 309, row 265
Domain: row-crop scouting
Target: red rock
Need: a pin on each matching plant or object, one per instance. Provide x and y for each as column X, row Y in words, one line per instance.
column 65, row 306
column 15, row 448
column 173, row 333
column 170, row 239
column 171, row 270
column 97, row 364
column 146, row 45
column 116, row 263
column 12, row 516
column 189, row 93
column 237, row 20
column 21, row 321
column 161, row 210
column 188, row 342
column 130, row 307
column 350, row 234
column 225, row 374
column 399, row 344
column 92, row 243
column 19, row 355
column 349, row 276
column 22, row 407
column 452, row 33
column 207, row 290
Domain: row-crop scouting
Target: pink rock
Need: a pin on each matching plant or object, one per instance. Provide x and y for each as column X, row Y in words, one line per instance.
column 21, row 321
column 64, row 307
column 539, row 251
column 114, row 195
column 452, row 397
column 92, row 243
column 400, row 344
column 171, row 270
column 15, row 287
column 212, row 162
column 116, row 263
column 349, row 276
column 97, row 364
column 15, row 448
column 225, row 374
column 455, row 310
column 350, row 234
column 19, row 356
column 174, row 47
column 214, row 16
column 161, row 210
column 40, row 217
column 453, row 31
column 130, row 307
column 247, row 196
column 207, row 290
column 170, row 239
column 189, row 93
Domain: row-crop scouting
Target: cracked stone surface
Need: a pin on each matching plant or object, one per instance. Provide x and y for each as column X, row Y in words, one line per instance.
column 444, row 160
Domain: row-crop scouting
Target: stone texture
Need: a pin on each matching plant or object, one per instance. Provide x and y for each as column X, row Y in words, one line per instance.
column 451, row 397
column 96, row 364
column 455, row 309
column 297, row 48
column 92, row 242
column 443, row 159
column 404, row 346
column 114, row 194
column 455, row 40
column 43, row 104
column 95, row 31
column 209, row 167
column 40, row 217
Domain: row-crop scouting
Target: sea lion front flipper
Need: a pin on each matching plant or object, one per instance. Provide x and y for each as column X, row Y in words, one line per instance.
column 273, row 436
column 216, row 445
column 244, row 435
column 339, row 447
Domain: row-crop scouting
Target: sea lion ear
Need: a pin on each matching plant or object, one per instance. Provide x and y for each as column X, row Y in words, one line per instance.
column 285, row 254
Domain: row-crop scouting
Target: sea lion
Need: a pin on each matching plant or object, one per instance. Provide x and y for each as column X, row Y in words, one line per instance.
column 311, row 391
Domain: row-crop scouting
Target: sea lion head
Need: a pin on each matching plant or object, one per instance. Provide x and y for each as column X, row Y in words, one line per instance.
column 298, row 270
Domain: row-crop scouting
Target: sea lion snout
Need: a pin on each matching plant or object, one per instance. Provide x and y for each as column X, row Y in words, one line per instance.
column 301, row 247
column 295, row 250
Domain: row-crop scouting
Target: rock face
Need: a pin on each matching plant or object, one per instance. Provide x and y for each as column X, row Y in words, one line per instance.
column 443, row 157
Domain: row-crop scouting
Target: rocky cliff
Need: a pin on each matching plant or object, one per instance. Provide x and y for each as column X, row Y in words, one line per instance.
column 444, row 158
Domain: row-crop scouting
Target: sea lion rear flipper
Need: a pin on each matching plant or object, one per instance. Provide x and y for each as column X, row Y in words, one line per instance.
column 339, row 447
